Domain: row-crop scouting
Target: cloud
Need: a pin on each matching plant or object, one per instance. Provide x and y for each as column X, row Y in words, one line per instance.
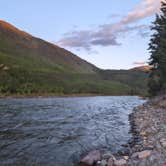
column 142, row 10
column 114, row 16
column 105, row 41
column 139, row 63
column 108, row 34
column 77, row 39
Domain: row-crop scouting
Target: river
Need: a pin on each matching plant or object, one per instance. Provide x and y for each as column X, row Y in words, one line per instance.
column 57, row 131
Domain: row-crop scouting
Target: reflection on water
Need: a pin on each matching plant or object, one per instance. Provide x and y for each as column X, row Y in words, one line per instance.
column 56, row 131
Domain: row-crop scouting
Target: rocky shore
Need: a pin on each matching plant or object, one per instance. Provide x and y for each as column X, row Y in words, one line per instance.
column 148, row 144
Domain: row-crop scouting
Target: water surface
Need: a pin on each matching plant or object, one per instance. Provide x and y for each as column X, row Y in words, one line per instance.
column 56, row 131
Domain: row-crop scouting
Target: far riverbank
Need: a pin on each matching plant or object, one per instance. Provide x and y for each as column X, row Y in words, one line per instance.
column 63, row 95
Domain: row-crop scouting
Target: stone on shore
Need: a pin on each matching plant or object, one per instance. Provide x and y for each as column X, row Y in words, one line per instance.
column 110, row 162
column 91, row 158
column 107, row 155
column 126, row 157
column 144, row 154
column 120, row 162
column 163, row 142
column 103, row 163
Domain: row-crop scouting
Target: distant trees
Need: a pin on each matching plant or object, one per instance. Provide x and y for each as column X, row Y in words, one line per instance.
column 157, row 47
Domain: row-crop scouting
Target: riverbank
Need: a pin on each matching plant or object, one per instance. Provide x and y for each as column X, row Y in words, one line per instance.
column 148, row 144
column 50, row 95
column 62, row 95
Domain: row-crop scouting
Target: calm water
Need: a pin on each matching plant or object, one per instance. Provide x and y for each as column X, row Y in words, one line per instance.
column 56, row 131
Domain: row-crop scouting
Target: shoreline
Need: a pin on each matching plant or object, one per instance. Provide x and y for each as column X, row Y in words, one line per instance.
column 148, row 127
column 147, row 146
column 48, row 96
column 62, row 96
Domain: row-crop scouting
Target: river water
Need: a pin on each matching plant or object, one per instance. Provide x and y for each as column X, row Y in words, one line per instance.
column 57, row 131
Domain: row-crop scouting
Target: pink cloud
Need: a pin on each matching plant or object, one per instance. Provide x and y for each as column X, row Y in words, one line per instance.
column 139, row 63
column 107, row 34
column 142, row 10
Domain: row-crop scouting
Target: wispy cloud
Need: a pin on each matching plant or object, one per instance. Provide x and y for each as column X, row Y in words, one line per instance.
column 142, row 10
column 139, row 63
column 108, row 34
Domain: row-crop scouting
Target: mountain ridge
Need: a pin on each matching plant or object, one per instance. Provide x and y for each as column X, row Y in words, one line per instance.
column 145, row 68
column 9, row 26
column 40, row 46
column 30, row 65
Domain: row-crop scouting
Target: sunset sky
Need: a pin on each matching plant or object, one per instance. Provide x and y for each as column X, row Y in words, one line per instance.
column 110, row 34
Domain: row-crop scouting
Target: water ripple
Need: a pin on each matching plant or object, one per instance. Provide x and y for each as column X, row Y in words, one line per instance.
column 56, row 131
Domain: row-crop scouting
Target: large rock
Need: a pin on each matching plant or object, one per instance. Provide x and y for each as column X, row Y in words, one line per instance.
column 91, row 158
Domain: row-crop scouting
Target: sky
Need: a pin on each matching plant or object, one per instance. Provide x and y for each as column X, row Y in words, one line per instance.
column 112, row 34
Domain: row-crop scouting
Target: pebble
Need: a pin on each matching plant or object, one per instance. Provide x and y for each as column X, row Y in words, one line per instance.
column 143, row 133
column 120, row 162
column 144, row 154
column 110, row 162
column 103, row 163
column 107, row 155
column 163, row 142
column 134, row 155
column 90, row 158
column 126, row 157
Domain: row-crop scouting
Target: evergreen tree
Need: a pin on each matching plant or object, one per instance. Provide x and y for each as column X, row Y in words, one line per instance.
column 157, row 46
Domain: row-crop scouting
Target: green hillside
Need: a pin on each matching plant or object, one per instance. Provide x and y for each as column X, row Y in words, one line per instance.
column 29, row 65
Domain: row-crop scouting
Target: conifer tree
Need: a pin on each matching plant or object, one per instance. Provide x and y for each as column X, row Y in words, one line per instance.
column 157, row 46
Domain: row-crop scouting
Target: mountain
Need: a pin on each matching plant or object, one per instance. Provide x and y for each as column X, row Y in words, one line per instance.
column 29, row 65
column 23, row 45
column 144, row 68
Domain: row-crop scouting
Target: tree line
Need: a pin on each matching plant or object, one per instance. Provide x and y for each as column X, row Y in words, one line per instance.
column 157, row 47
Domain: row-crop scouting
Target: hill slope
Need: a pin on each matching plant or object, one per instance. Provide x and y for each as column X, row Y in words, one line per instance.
column 29, row 65
column 22, row 45
column 143, row 68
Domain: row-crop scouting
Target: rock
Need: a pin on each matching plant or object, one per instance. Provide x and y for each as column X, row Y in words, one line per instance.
column 144, row 154
column 103, row 163
column 143, row 133
column 110, row 162
column 162, row 104
column 120, row 162
column 145, row 138
column 126, row 157
column 5, row 68
column 91, row 158
column 1, row 65
column 107, row 155
column 163, row 142
column 158, row 145
column 134, row 155
column 98, row 163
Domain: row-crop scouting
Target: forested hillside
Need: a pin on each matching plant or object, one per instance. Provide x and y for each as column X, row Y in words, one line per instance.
column 29, row 65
